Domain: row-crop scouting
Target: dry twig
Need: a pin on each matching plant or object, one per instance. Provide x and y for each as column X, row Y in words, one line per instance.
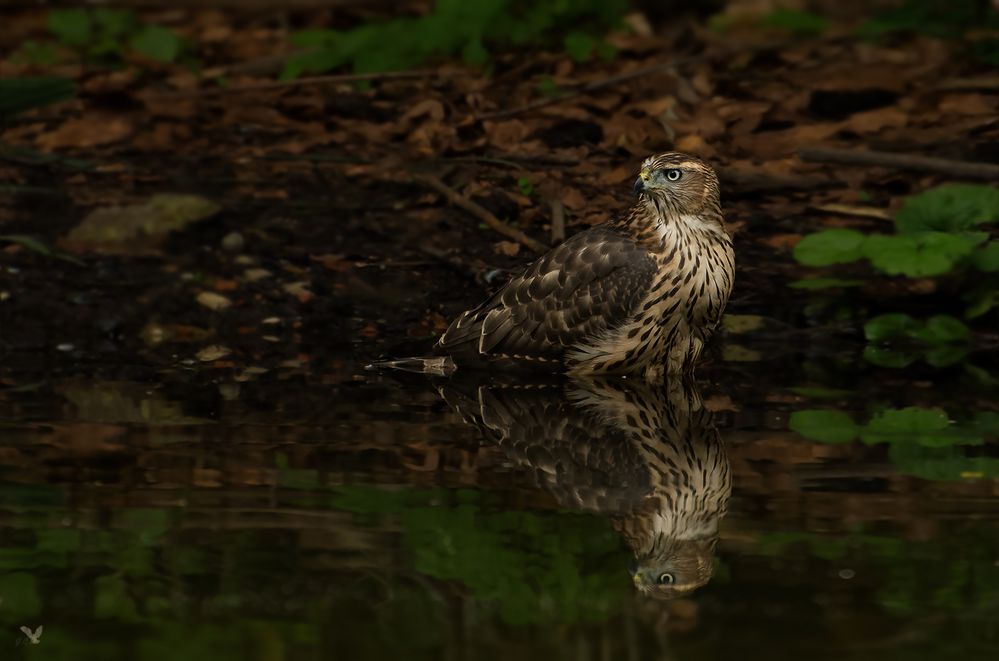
column 298, row 82
column 958, row 169
column 479, row 212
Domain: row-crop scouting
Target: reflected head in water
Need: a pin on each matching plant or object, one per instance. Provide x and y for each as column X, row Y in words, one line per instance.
column 647, row 457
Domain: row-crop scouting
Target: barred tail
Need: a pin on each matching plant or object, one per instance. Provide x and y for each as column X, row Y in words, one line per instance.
column 437, row 366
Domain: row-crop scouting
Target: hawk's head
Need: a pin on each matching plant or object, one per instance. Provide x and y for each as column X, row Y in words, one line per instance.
column 674, row 567
column 679, row 183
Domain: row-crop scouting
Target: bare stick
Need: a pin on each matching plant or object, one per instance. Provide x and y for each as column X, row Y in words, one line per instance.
column 459, row 200
column 298, row 82
column 957, row 169
column 558, row 220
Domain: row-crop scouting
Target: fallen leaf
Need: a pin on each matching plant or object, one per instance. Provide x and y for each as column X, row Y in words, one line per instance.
column 299, row 290
column 138, row 227
column 213, row 352
column 91, row 130
column 508, row 248
column 213, row 301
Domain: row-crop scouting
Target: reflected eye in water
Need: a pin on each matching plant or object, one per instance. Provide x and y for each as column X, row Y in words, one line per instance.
column 666, row 579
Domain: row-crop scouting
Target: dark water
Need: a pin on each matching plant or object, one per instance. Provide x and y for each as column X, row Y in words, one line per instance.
column 352, row 516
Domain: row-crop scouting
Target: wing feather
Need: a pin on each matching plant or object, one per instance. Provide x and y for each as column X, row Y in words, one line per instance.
column 591, row 283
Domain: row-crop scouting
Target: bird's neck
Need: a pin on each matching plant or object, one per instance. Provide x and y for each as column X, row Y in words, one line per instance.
column 653, row 222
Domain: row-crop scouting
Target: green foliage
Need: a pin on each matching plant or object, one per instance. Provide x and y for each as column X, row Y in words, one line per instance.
column 530, row 566
column 934, row 237
column 940, row 340
column 939, row 329
column 20, row 94
column 919, row 255
column 945, row 19
column 825, row 426
column 157, row 43
column 939, row 18
column 835, row 246
column 948, row 208
column 796, row 21
column 525, row 186
column 455, row 27
column 106, row 34
column 923, row 442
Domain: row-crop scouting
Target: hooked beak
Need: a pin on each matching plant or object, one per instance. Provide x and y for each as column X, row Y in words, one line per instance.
column 643, row 177
column 639, row 185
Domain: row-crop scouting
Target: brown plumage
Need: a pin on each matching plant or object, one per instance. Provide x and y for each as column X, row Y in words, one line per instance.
column 648, row 458
column 640, row 294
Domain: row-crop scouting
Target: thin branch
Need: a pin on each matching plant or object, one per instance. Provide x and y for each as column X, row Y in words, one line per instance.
column 957, row 169
column 298, row 82
column 854, row 210
column 479, row 212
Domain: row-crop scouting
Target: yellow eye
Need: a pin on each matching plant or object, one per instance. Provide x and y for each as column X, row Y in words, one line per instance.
column 674, row 174
column 666, row 579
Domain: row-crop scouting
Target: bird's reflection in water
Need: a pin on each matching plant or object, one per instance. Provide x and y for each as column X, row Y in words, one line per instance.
column 648, row 457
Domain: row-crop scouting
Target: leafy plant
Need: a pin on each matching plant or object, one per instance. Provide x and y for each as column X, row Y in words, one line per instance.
column 796, row 21
column 20, row 94
column 945, row 19
column 923, row 442
column 936, row 233
column 455, row 27
column 107, row 34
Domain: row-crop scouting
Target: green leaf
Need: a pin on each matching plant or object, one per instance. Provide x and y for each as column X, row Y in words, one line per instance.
column 72, row 27
column 835, row 246
column 981, row 301
column 987, row 257
column 796, row 21
column 941, row 329
column 579, row 46
column 945, row 355
column 919, row 255
column 475, row 53
column 825, row 283
column 157, row 43
column 889, row 326
column 548, row 87
column 949, row 208
column 927, row 427
column 823, row 425
column 525, row 186
column 20, row 94
column 889, row 358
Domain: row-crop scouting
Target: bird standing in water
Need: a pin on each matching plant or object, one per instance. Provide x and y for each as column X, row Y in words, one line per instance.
column 637, row 295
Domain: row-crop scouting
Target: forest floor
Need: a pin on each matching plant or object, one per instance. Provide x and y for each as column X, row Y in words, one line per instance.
column 317, row 233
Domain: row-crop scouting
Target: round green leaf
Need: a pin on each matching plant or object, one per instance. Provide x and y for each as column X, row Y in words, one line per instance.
column 889, row 326
column 941, row 329
column 824, row 426
column 949, row 208
column 835, row 246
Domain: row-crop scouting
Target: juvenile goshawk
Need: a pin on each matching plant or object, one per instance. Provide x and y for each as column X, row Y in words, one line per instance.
column 640, row 294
